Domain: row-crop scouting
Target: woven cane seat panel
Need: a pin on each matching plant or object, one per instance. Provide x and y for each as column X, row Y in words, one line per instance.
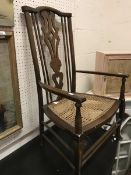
column 92, row 109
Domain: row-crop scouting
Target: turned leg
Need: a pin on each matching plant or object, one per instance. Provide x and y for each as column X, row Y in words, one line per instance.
column 41, row 127
column 121, row 114
column 78, row 156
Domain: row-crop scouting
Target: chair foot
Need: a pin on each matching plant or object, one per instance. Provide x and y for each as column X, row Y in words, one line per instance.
column 41, row 129
column 78, row 167
column 118, row 135
column 77, row 172
column 78, row 156
column 41, row 141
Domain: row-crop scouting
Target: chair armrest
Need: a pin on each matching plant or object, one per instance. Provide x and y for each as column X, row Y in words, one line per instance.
column 104, row 73
column 62, row 93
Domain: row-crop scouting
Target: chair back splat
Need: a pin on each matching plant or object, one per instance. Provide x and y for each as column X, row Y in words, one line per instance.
column 51, row 40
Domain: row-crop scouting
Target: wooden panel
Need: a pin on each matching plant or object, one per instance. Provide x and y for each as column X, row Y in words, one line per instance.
column 122, row 66
column 112, row 63
column 99, row 80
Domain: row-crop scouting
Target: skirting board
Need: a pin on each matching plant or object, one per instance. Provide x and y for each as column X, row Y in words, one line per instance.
column 18, row 143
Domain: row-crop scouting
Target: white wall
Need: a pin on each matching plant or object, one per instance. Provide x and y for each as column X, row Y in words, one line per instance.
column 98, row 26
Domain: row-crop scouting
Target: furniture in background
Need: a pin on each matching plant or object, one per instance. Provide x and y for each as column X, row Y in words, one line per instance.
column 80, row 115
column 109, row 86
column 112, row 62
column 123, row 156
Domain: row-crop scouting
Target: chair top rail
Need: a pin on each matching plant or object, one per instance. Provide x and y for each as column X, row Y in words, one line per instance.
column 39, row 9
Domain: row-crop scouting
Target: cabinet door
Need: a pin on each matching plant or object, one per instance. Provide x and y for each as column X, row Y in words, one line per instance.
column 118, row 64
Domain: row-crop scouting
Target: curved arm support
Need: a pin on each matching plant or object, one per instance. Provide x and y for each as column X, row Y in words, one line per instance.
column 62, row 93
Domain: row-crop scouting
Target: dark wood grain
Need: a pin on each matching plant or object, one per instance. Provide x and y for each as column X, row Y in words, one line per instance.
column 63, row 93
column 50, row 31
column 104, row 73
column 42, row 8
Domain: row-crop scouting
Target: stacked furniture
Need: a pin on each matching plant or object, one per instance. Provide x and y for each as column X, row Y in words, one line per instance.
column 123, row 156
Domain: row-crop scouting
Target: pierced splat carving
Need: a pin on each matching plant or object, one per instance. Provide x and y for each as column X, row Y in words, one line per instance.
column 52, row 40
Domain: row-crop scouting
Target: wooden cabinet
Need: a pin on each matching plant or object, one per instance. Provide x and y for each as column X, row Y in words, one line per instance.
column 113, row 63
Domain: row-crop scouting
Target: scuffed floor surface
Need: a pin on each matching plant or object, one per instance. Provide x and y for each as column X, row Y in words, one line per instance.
column 32, row 159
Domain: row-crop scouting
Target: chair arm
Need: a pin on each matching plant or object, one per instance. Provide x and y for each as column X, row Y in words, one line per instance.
column 62, row 93
column 104, row 73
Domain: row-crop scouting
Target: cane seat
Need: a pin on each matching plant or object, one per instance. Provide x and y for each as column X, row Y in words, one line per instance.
column 96, row 110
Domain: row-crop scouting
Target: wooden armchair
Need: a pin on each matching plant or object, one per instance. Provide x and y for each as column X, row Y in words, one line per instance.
column 51, row 41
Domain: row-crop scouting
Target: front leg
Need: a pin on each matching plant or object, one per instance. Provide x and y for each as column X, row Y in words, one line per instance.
column 78, row 155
